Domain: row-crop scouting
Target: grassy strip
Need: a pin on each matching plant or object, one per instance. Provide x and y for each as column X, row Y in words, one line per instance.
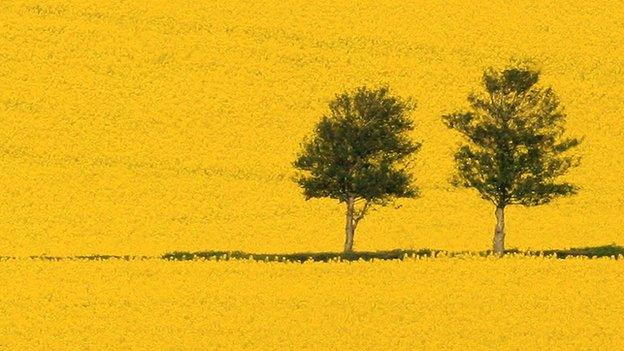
column 81, row 257
column 597, row 251
column 301, row 257
column 591, row 252
column 612, row 250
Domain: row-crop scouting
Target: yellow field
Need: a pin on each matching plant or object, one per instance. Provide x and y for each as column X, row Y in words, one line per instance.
column 433, row 304
column 134, row 128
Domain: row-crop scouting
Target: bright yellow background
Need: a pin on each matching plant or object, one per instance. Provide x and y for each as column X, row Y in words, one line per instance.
column 432, row 304
column 141, row 128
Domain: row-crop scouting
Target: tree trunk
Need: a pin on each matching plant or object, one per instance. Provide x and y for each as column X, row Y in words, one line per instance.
column 499, row 231
column 350, row 227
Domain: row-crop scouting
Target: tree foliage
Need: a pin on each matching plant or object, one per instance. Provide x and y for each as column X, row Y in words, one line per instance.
column 514, row 148
column 361, row 150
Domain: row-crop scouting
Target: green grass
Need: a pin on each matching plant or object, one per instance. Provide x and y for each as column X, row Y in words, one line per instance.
column 300, row 257
column 598, row 251
column 80, row 257
column 398, row 254
column 611, row 250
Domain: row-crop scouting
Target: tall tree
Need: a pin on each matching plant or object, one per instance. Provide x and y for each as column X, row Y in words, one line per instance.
column 514, row 149
column 359, row 154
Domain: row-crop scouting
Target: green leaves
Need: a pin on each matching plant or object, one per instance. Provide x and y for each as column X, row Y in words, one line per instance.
column 360, row 149
column 512, row 80
column 515, row 148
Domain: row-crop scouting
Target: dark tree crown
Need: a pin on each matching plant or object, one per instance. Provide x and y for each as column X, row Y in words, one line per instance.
column 360, row 149
column 515, row 149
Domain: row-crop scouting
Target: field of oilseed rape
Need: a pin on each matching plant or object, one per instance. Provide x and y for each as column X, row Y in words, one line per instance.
column 433, row 304
column 135, row 128
column 138, row 128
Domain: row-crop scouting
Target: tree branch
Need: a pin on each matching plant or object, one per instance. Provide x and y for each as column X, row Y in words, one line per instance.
column 360, row 214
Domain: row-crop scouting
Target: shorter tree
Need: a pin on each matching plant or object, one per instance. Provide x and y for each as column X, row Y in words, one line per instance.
column 359, row 154
column 515, row 149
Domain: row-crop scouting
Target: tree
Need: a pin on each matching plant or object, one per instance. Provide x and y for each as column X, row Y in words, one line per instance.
column 515, row 150
column 359, row 154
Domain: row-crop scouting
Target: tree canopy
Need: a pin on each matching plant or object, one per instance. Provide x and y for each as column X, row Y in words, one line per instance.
column 514, row 149
column 360, row 149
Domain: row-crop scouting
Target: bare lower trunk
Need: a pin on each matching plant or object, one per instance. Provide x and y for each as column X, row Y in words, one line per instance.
column 350, row 227
column 499, row 231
